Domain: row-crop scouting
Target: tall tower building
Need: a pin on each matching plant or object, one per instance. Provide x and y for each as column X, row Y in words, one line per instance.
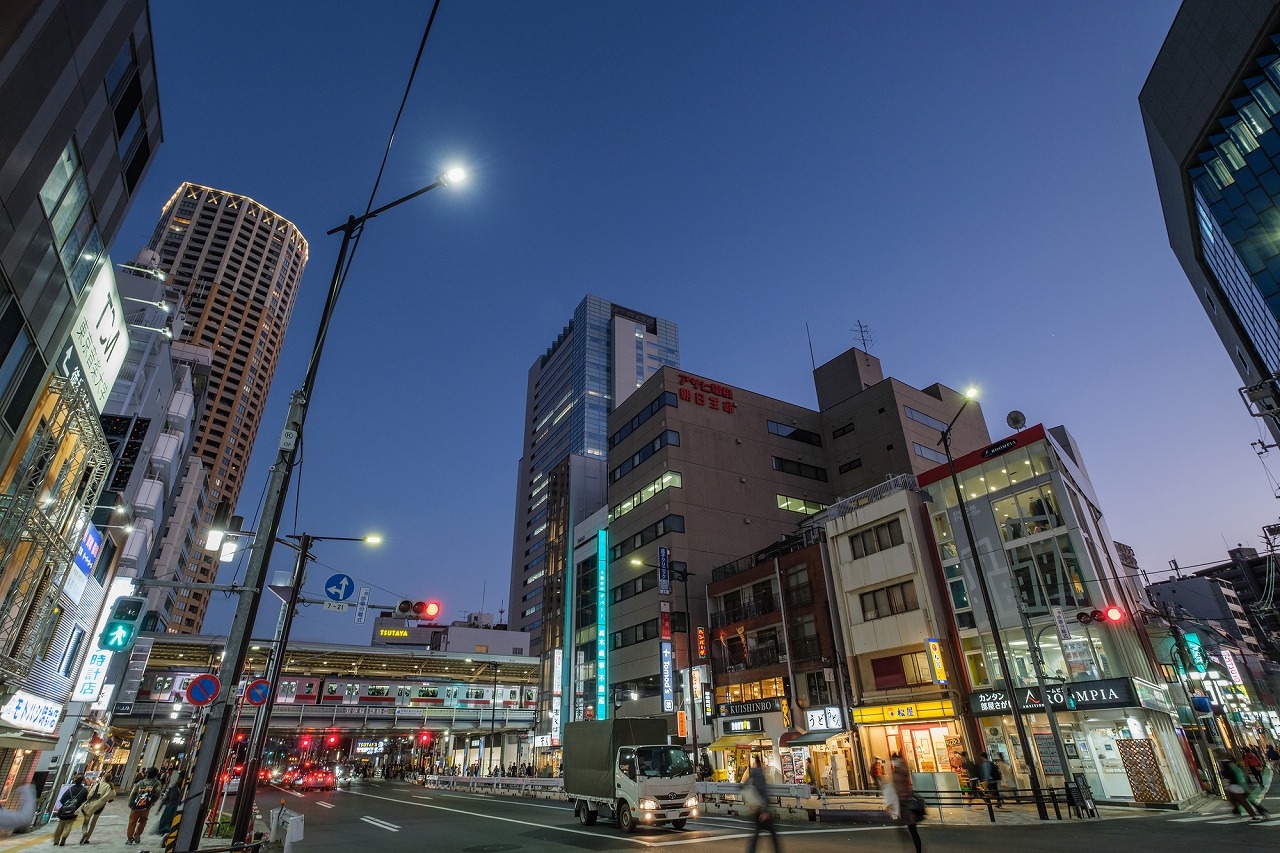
column 603, row 355
column 240, row 264
column 1210, row 107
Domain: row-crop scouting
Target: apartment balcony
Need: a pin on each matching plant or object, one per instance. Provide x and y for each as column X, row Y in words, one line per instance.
column 749, row 610
column 753, row 659
column 805, row 648
column 799, row 596
column 137, row 547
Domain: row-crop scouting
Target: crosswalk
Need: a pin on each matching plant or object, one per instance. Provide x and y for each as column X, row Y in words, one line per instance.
column 1223, row 818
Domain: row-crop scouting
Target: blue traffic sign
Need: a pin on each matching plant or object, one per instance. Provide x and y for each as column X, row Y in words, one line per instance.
column 339, row 587
column 257, row 692
column 203, row 689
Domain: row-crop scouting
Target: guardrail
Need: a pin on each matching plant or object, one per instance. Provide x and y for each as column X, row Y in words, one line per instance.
column 498, row 784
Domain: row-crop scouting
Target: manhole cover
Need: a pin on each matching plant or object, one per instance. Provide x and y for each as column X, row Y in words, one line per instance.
column 491, row 848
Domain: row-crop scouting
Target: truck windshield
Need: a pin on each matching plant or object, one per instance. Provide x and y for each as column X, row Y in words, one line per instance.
column 663, row 761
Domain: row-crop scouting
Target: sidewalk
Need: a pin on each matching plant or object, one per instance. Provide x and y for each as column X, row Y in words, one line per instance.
column 108, row 835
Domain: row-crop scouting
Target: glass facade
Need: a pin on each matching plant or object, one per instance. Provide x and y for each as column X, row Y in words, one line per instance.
column 1237, row 187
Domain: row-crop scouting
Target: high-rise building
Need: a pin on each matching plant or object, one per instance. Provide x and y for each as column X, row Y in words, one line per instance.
column 240, row 265
column 81, row 124
column 600, row 358
column 1209, row 106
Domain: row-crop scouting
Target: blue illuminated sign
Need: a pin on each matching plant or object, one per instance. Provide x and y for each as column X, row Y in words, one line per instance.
column 88, row 551
column 668, row 676
column 602, row 623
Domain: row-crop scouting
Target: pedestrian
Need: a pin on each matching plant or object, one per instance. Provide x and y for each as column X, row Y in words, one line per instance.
column 142, row 797
column 972, row 775
column 704, row 767
column 809, row 778
column 1273, row 756
column 901, row 801
column 101, row 792
column 68, row 807
column 1233, row 778
column 755, row 792
column 21, row 817
column 1253, row 763
column 877, row 773
column 990, row 773
column 168, row 808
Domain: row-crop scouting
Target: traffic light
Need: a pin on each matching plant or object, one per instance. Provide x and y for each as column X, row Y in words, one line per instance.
column 240, row 737
column 424, row 738
column 331, row 740
column 429, row 609
column 122, row 628
column 305, row 743
column 1110, row 613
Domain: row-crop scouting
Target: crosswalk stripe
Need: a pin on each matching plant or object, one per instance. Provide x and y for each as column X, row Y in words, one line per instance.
column 1196, row 819
column 325, row 805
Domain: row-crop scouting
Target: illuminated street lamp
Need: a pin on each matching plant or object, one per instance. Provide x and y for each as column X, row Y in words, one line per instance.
column 196, row 799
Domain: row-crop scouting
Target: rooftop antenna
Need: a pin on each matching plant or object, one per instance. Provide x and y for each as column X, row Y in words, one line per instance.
column 863, row 333
column 812, row 361
column 484, row 588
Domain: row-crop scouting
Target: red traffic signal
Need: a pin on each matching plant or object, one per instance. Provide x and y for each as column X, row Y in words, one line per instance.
column 305, row 743
column 240, row 737
column 1110, row 613
column 424, row 738
column 332, row 740
column 429, row 609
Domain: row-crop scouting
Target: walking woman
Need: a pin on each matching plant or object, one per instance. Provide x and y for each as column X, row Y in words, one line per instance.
column 900, row 798
column 101, row 792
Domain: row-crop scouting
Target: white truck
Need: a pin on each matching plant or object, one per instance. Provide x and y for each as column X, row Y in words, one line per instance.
column 624, row 768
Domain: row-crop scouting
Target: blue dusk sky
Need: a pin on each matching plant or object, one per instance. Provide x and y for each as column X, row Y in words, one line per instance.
column 971, row 181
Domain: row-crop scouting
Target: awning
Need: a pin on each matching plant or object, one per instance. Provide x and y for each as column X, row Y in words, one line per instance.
column 20, row 740
column 812, row 738
column 730, row 741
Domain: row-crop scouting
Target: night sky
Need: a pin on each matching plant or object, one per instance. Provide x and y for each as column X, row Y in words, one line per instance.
column 969, row 180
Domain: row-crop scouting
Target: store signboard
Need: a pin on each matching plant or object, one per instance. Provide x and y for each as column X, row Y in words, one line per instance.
column 933, row 650
column 1232, row 670
column 755, row 706
column 744, row 726
column 1079, row 695
column 667, row 663
column 823, row 719
column 33, row 713
column 664, row 571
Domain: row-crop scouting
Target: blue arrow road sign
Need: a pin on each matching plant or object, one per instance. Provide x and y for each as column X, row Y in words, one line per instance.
column 339, row 587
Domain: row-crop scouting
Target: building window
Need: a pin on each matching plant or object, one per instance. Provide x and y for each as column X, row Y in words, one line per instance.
column 800, row 505
column 799, row 469
column 873, row 540
column 921, row 417
column 635, row 634
column 666, row 398
column 670, row 524
column 65, row 199
column 901, row 671
column 844, row 430
column 669, row 437
column 889, row 601
column 928, row 453
column 669, row 480
column 72, row 654
column 795, row 433
column 850, row 465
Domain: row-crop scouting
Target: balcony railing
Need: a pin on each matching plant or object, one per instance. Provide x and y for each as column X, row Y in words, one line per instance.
column 792, row 543
column 799, row 596
column 764, row 656
column 806, row 648
column 749, row 610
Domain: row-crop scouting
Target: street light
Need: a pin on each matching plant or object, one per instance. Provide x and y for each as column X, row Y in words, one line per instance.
column 204, row 775
column 242, row 817
column 1028, row 759
column 682, row 575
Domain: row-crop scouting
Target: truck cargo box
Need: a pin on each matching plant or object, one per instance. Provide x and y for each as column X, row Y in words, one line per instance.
column 591, row 748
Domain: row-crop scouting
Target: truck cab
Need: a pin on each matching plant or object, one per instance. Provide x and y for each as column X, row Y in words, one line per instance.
column 616, row 767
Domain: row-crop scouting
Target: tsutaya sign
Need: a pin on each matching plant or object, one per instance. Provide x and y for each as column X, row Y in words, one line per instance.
column 1079, row 695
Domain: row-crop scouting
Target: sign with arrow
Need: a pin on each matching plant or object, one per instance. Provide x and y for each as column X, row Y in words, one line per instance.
column 339, row 587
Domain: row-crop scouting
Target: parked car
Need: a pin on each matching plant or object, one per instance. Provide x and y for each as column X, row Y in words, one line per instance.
column 316, row 780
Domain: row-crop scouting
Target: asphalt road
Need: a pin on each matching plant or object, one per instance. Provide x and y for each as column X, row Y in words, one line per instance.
column 390, row 817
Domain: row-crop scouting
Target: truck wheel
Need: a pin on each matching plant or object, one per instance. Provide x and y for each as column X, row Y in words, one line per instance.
column 679, row 824
column 626, row 821
column 586, row 816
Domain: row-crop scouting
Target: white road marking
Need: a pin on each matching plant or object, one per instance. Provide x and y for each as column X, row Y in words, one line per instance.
column 287, row 790
column 1196, row 819
column 625, row 838
column 381, row 824
column 421, row 797
column 323, row 804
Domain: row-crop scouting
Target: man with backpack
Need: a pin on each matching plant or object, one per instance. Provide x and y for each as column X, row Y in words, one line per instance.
column 142, row 797
column 991, row 776
column 68, row 805
column 101, row 792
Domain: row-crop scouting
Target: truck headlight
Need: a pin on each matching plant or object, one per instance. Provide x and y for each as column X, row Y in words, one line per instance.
column 692, row 802
column 649, row 805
